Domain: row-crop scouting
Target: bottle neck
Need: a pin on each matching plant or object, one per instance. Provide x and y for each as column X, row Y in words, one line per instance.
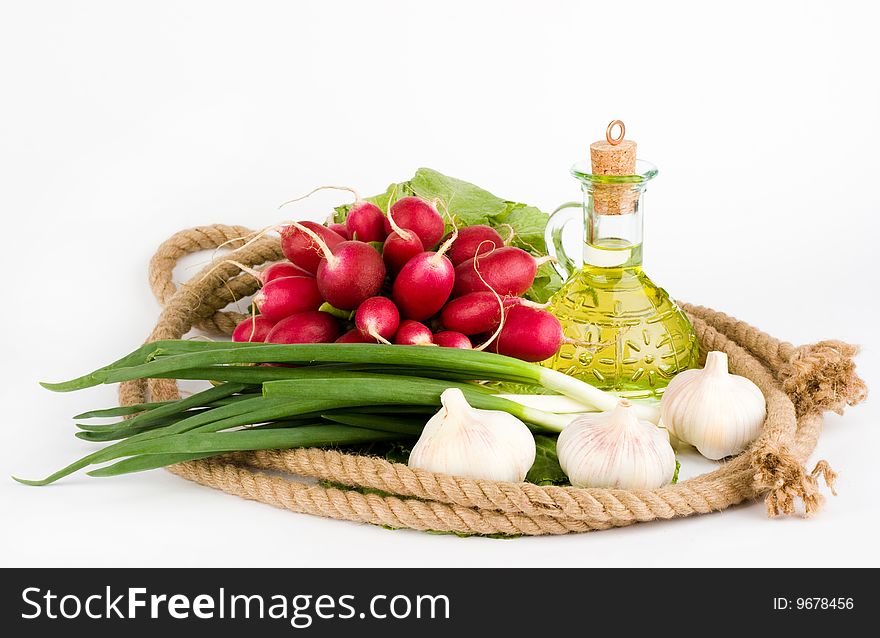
column 613, row 240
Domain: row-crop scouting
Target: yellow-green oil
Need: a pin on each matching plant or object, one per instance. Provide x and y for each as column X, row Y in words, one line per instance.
column 626, row 335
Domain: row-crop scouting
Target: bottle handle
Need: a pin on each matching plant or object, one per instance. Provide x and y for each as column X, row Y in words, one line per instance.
column 559, row 219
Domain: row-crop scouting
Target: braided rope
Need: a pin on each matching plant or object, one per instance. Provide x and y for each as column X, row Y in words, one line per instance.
column 798, row 383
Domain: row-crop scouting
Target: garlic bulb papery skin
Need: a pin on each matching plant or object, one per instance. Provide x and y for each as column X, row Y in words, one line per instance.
column 717, row 412
column 617, row 450
column 480, row 444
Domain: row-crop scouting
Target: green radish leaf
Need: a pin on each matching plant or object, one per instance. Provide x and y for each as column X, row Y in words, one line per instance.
column 546, row 283
column 546, row 469
column 468, row 204
column 528, row 224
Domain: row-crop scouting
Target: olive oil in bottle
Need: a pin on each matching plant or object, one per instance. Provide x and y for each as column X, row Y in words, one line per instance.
column 627, row 335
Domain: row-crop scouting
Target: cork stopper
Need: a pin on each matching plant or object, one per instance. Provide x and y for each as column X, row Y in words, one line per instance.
column 614, row 156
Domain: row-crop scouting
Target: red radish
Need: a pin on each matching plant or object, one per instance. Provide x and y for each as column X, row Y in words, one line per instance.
column 287, row 296
column 472, row 314
column 353, row 336
column 340, row 229
column 366, row 222
column 417, row 215
column 349, row 274
column 398, row 250
column 529, row 334
column 306, row 327
column 451, row 339
column 253, row 329
column 423, row 285
column 507, row 271
column 477, row 312
column 377, row 318
column 300, row 247
column 400, row 246
column 280, row 269
column 413, row 333
column 471, row 239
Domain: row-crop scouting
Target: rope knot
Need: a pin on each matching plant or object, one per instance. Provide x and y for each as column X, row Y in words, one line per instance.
column 822, row 377
column 786, row 481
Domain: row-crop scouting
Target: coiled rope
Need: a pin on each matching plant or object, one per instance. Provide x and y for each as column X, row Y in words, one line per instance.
column 799, row 383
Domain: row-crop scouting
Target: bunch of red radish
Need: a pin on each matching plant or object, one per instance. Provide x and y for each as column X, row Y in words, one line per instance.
column 468, row 288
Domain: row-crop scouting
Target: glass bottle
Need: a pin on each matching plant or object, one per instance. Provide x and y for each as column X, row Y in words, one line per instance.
column 626, row 334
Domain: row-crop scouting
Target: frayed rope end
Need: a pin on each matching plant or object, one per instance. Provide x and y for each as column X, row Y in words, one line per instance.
column 823, row 377
column 786, row 481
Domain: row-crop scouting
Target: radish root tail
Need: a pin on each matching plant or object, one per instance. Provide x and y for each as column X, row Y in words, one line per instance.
column 528, row 303
column 253, row 322
column 322, row 246
column 245, row 269
column 404, row 234
column 444, row 248
column 373, row 333
column 511, row 233
column 349, row 189
column 498, row 298
column 251, row 239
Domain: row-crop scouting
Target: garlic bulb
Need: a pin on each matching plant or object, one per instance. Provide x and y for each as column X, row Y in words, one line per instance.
column 482, row 444
column 615, row 449
column 717, row 412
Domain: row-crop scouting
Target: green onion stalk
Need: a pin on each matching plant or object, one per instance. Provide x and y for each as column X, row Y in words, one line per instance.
column 169, row 358
column 338, row 394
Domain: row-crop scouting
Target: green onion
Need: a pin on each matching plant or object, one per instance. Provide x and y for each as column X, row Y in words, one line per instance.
column 332, row 394
column 170, row 359
column 378, row 388
column 127, row 410
column 147, row 462
column 145, row 353
column 96, row 435
column 120, row 449
column 396, row 409
column 185, row 447
column 123, row 410
column 303, row 436
column 562, row 404
column 160, row 417
column 243, row 413
column 196, row 400
column 384, row 423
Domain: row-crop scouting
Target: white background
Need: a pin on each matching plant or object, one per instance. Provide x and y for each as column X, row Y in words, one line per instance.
column 121, row 123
